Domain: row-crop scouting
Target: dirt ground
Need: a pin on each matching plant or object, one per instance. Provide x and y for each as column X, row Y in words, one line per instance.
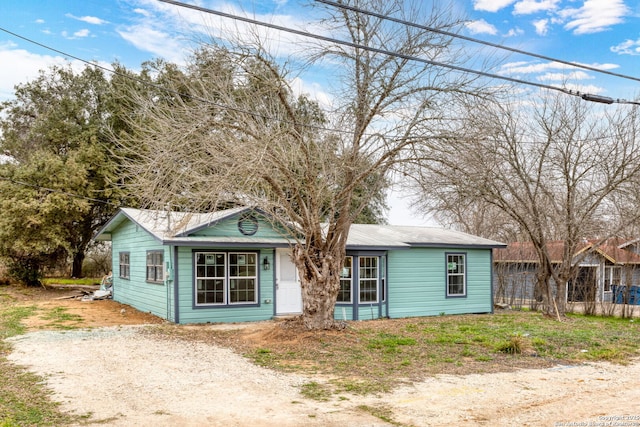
column 123, row 377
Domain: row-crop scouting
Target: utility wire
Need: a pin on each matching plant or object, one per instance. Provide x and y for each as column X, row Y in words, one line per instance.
column 359, row 46
column 472, row 39
column 585, row 96
column 166, row 90
column 53, row 190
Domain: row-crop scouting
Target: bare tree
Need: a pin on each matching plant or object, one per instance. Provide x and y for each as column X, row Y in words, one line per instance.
column 552, row 166
column 230, row 130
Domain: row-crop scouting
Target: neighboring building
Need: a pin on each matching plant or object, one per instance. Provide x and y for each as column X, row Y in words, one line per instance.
column 603, row 269
column 234, row 266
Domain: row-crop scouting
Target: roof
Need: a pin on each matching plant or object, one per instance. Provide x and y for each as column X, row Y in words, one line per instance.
column 176, row 227
column 394, row 236
column 164, row 225
column 611, row 249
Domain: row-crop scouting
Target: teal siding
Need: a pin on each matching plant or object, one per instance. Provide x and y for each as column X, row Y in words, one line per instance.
column 369, row 312
column 229, row 228
column 343, row 312
column 417, row 283
column 415, row 280
column 148, row 297
column 188, row 313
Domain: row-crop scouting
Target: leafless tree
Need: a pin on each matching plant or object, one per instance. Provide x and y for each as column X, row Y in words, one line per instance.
column 231, row 131
column 553, row 165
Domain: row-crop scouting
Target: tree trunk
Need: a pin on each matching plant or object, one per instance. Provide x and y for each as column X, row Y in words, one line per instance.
column 320, row 281
column 76, row 269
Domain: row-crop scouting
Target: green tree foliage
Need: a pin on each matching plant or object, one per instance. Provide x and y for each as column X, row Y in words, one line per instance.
column 56, row 187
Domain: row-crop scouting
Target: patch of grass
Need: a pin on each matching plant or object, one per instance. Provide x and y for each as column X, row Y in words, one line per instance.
column 382, row 412
column 85, row 281
column 24, row 401
column 316, row 391
column 390, row 343
column 59, row 315
column 11, row 325
column 360, row 387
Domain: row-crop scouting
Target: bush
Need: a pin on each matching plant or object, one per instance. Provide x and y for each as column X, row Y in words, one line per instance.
column 26, row 271
column 517, row 344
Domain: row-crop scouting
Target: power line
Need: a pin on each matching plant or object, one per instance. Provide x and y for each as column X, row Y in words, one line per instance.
column 355, row 45
column 166, row 90
column 472, row 39
column 586, row 97
column 53, row 190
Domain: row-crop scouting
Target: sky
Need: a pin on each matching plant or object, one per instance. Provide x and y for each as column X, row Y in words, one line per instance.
column 602, row 34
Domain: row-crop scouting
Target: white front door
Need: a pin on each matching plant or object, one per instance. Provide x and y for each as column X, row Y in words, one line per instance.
column 288, row 290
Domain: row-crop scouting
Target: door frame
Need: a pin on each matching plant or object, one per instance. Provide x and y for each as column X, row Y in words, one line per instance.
column 281, row 256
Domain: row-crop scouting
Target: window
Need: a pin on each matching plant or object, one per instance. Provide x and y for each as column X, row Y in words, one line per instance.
column 368, row 278
column 456, row 275
column 226, row 278
column 346, row 279
column 210, row 278
column 611, row 277
column 125, row 267
column 154, row 266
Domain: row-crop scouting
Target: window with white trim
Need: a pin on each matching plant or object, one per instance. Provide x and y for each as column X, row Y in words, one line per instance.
column 124, row 265
column 368, row 279
column 226, row 278
column 456, row 275
column 346, row 281
column 612, row 276
column 154, row 266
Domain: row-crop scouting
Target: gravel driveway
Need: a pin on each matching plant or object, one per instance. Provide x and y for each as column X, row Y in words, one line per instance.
column 127, row 378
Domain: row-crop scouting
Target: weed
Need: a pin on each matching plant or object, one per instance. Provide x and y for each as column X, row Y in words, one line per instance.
column 516, row 344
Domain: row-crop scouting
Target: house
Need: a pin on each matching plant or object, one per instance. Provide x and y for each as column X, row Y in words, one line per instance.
column 602, row 268
column 234, row 265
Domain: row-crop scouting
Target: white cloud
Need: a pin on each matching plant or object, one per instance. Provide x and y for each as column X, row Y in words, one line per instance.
column 81, row 33
column 76, row 35
column 541, row 26
column 157, row 42
column 25, row 66
column 523, row 67
column 574, row 75
column 39, row 21
column 527, row 7
column 627, row 47
column 595, row 16
column 313, row 90
column 481, row 27
column 567, row 76
column 592, row 89
column 514, row 32
column 601, row 66
column 183, row 28
column 491, row 5
column 142, row 12
column 88, row 19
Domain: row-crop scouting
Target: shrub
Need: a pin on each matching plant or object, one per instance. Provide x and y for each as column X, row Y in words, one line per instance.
column 516, row 344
